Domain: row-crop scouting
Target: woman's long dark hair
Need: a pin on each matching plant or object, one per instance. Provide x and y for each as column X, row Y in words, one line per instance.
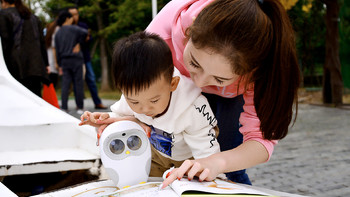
column 50, row 30
column 23, row 10
column 258, row 40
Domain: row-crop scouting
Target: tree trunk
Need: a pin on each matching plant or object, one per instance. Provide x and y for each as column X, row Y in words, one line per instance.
column 103, row 55
column 94, row 47
column 332, row 79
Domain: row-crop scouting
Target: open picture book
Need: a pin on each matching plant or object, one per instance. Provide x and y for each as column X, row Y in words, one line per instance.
column 184, row 187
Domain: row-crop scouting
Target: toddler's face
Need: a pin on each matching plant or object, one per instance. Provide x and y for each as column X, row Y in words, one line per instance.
column 154, row 100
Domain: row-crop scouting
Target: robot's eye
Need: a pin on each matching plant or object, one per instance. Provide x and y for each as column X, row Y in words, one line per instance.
column 134, row 142
column 117, row 146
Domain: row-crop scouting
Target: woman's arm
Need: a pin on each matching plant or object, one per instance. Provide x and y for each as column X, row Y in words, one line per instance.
column 246, row 155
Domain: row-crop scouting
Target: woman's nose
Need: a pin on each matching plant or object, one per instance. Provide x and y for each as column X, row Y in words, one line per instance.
column 200, row 80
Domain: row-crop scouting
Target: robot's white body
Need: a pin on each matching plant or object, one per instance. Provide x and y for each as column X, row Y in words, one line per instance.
column 125, row 153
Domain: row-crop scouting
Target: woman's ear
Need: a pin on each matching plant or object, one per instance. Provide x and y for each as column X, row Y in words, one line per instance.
column 174, row 82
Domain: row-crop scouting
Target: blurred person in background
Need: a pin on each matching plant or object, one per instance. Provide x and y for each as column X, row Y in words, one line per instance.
column 23, row 45
column 70, row 59
column 89, row 74
column 51, row 31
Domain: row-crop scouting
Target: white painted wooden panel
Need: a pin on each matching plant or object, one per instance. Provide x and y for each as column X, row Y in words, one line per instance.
column 37, row 137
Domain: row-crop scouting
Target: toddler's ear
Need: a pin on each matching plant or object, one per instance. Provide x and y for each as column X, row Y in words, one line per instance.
column 174, row 82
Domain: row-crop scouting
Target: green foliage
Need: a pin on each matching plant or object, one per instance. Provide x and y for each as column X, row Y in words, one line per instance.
column 344, row 28
column 120, row 17
column 53, row 7
column 130, row 17
column 310, row 31
column 124, row 17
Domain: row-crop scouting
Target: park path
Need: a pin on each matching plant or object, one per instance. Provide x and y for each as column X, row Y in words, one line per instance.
column 314, row 158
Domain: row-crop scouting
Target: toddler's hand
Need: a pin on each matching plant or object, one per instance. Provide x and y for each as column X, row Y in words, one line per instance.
column 94, row 119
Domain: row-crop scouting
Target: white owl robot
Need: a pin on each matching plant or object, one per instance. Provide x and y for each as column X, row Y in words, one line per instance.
column 125, row 153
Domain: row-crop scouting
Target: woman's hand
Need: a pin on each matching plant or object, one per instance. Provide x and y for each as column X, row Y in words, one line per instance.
column 60, row 71
column 246, row 155
column 76, row 48
column 205, row 169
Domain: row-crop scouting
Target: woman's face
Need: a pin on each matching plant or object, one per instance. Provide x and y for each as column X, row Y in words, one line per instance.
column 207, row 68
column 4, row 4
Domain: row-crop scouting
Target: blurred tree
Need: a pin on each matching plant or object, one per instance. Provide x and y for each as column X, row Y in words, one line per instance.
column 345, row 42
column 332, row 78
column 109, row 20
column 315, row 22
column 52, row 7
column 308, row 22
column 308, row 31
column 288, row 4
column 115, row 19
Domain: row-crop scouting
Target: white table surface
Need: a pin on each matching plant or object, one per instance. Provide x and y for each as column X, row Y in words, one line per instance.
column 98, row 188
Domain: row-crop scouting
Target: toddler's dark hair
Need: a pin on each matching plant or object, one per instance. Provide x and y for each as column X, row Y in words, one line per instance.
column 139, row 60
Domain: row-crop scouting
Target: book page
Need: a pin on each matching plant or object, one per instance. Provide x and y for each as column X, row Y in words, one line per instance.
column 216, row 186
column 149, row 189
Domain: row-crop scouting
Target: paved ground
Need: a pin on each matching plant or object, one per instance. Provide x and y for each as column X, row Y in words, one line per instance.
column 313, row 160
column 88, row 105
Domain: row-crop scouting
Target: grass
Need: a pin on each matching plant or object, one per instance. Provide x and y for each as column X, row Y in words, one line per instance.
column 314, row 96
column 110, row 95
column 113, row 95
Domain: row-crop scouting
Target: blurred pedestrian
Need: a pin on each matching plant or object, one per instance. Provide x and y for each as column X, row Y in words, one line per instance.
column 70, row 59
column 23, row 45
column 51, row 31
column 89, row 74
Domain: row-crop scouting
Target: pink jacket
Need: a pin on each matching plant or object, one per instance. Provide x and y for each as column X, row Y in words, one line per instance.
column 171, row 24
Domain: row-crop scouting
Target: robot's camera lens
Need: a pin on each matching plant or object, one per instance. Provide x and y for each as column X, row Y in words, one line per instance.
column 134, row 142
column 117, row 146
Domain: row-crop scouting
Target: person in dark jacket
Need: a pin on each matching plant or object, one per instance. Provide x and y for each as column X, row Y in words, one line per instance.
column 23, row 45
column 69, row 59
column 89, row 72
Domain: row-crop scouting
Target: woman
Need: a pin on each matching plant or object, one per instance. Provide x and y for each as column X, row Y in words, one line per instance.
column 23, row 45
column 52, row 29
column 242, row 54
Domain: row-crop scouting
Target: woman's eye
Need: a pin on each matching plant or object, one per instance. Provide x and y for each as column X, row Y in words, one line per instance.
column 194, row 65
column 134, row 103
column 219, row 81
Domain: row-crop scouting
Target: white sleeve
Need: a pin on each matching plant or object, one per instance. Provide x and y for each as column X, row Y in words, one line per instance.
column 121, row 108
column 53, row 37
column 53, row 41
column 200, row 135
